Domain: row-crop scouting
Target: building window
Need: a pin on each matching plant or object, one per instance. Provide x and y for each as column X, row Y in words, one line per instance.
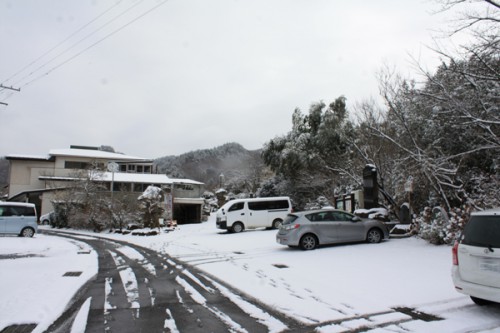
column 123, row 187
column 100, row 166
column 186, row 187
column 76, row 165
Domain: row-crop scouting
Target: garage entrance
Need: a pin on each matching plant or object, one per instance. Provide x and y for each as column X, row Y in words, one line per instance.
column 187, row 210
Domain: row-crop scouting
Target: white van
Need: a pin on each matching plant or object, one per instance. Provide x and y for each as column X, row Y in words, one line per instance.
column 18, row 219
column 240, row 214
column 476, row 258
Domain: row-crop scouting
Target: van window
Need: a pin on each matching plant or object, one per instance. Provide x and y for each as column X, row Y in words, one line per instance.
column 268, row 205
column 5, row 211
column 25, row 211
column 236, row 206
column 17, row 211
column 483, row 231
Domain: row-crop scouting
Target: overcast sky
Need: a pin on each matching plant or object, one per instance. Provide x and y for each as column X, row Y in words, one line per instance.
column 192, row 74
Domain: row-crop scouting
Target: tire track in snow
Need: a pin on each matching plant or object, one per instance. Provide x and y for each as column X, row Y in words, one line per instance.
column 108, row 291
column 133, row 254
column 274, row 325
column 170, row 323
column 198, row 298
column 176, row 269
column 128, row 279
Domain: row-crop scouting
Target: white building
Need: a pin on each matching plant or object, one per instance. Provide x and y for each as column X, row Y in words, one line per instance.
column 35, row 178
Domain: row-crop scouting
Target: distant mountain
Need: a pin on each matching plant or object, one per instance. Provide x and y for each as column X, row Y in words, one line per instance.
column 240, row 167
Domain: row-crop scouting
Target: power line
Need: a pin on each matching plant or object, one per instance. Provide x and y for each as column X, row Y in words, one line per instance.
column 62, row 42
column 81, row 40
column 10, row 88
column 2, row 87
column 78, row 42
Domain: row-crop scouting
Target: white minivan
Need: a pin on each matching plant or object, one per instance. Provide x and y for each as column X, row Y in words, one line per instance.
column 476, row 258
column 240, row 214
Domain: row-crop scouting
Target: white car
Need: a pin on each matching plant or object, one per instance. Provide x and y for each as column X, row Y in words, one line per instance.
column 476, row 258
column 241, row 214
column 47, row 218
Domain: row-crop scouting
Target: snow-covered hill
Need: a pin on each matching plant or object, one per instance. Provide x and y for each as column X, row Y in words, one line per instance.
column 232, row 160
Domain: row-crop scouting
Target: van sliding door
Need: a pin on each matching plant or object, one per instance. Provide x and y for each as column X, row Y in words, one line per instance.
column 258, row 215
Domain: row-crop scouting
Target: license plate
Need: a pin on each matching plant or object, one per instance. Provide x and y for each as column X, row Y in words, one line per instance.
column 490, row 265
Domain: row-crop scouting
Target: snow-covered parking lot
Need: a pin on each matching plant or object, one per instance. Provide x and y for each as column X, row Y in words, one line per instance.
column 320, row 286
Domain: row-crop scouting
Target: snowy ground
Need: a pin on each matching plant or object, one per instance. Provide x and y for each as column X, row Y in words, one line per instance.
column 33, row 288
column 313, row 286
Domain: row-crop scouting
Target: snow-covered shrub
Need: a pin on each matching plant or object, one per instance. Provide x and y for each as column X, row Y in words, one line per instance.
column 438, row 227
column 380, row 213
column 210, row 203
column 151, row 206
column 428, row 228
column 273, row 187
column 221, row 195
column 320, row 202
column 456, row 224
column 125, row 209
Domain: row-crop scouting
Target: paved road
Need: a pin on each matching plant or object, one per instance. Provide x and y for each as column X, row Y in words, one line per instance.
column 139, row 290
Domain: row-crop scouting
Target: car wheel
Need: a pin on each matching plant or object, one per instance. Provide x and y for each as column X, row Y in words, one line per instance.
column 308, row 242
column 277, row 223
column 480, row 301
column 238, row 227
column 27, row 232
column 374, row 236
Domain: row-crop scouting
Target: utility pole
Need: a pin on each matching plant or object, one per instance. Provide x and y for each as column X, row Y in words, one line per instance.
column 10, row 88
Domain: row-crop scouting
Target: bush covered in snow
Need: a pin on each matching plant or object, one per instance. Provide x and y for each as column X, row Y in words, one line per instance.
column 151, row 206
column 381, row 214
column 439, row 227
column 320, row 202
column 210, row 203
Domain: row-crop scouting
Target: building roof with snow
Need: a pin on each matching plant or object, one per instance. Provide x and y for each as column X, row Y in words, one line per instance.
column 122, row 177
column 96, row 154
column 80, row 151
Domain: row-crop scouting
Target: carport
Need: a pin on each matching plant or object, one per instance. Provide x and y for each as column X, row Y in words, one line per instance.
column 188, row 210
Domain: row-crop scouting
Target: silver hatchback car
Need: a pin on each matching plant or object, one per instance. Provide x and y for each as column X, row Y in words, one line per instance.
column 309, row 229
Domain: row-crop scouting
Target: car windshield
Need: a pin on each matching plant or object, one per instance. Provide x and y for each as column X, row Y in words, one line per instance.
column 483, row 231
